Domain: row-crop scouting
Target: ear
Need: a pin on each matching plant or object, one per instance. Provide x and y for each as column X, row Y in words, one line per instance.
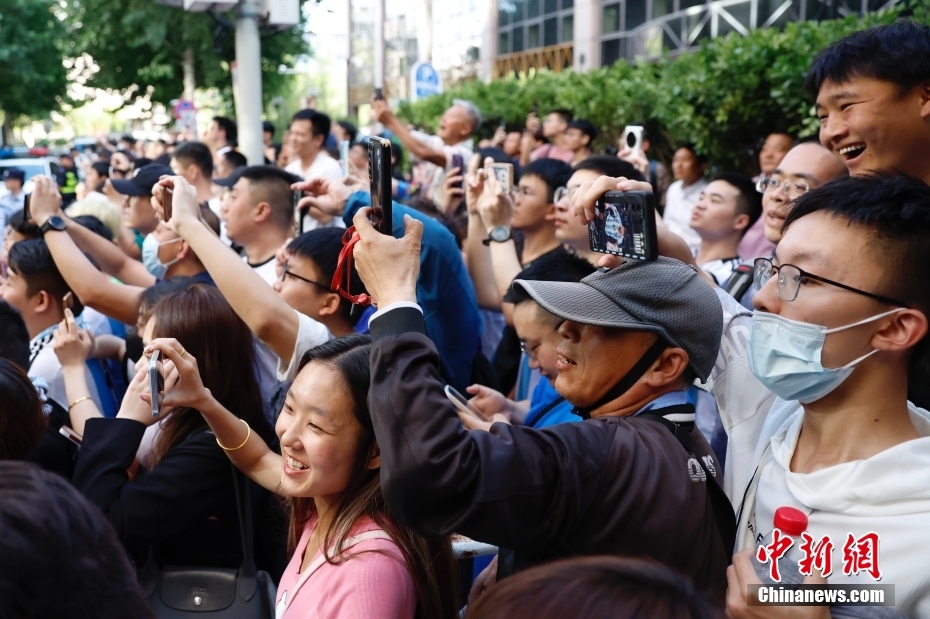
column 262, row 212
column 374, row 457
column 741, row 222
column 924, row 90
column 185, row 250
column 904, row 330
column 331, row 305
column 42, row 302
column 668, row 368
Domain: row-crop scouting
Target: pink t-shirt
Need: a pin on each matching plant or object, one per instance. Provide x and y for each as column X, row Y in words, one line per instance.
column 371, row 585
column 548, row 151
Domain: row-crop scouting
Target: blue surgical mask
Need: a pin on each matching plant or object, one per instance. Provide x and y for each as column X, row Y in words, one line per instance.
column 150, row 258
column 785, row 355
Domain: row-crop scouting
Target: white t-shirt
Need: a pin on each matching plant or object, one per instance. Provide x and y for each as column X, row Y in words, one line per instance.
column 679, row 202
column 323, row 166
column 44, row 364
column 430, row 174
column 267, row 270
column 310, row 333
column 214, row 204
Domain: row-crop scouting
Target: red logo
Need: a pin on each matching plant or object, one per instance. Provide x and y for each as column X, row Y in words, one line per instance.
column 775, row 551
column 861, row 555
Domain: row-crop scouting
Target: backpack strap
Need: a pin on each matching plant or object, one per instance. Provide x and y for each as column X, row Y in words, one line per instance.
column 739, row 282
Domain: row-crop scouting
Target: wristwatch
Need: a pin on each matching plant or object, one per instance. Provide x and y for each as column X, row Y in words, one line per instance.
column 53, row 223
column 498, row 234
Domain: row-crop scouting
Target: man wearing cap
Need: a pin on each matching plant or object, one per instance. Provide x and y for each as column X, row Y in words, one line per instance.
column 13, row 178
column 635, row 479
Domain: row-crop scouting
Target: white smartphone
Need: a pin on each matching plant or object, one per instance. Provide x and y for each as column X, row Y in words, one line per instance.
column 462, row 403
column 156, row 383
column 344, row 147
column 632, row 138
column 71, row 435
column 503, row 172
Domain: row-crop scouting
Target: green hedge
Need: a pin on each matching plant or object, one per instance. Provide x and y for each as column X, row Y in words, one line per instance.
column 722, row 98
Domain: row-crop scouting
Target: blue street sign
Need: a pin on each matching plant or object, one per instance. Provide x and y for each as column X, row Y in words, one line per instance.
column 425, row 81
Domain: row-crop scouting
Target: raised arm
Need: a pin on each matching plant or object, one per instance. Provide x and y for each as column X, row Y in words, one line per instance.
column 496, row 209
column 72, row 345
column 384, row 115
column 110, row 257
column 257, row 304
column 477, row 254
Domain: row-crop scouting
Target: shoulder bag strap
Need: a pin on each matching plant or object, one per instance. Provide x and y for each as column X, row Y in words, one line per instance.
column 247, row 579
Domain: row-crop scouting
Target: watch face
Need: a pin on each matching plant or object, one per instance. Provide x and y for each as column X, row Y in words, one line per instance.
column 56, row 223
column 500, row 233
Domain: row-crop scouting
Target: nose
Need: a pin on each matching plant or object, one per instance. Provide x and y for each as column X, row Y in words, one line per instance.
column 277, row 285
column 288, row 434
column 832, row 129
column 767, row 299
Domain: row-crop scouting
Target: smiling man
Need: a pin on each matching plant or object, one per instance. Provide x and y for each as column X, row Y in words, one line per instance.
column 873, row 99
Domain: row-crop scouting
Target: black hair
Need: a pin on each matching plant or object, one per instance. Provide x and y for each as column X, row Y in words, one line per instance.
column 271, row 184
column 228, row 125
column 586, row 127
column 210, row 218
column 14, row 336
column 128, row 138
column 95, row 225
column 553, row 172
column 495, row 153
column 397, row 155
column 749, row 201
column 55, row 540
column 102, row 168
column 694, row 151
column 319, row 122
column 31, row 260
column 322, row 247
column 898, row 53
column 896, row 209
column 24, row 227
column 611, row 166
column 22, row 421
column 197, row 153
column 557, row 267
column 566, row 115
column 235, row 159
column 153, row 294
column 268, row 127
column 350, row 129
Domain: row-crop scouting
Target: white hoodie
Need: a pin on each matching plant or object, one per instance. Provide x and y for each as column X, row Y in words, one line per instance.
column 888, row 493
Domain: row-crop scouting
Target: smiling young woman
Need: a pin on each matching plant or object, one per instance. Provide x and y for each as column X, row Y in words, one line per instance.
column 350, row 558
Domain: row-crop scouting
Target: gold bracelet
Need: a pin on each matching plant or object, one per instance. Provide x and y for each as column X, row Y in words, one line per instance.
column 78, row 401
column 247, row 436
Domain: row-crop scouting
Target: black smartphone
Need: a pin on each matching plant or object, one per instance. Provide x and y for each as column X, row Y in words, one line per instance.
column 458, row 162
column 379, row 94
column 624, row 224
column 156, row 383
column 379, row 172
column 27, row 212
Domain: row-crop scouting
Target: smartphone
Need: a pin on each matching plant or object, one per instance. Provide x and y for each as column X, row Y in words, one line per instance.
column 27, row 212
column 503, row 172
column 71, row 435
column 462, row 403
column 298, row 214
column 379, row 172
column 156, row 383
column 166, row 197
column 624, row 224
column 67, row 301
column 633, row 138
column 458, row 162
column 344, row 147
column 379, row 94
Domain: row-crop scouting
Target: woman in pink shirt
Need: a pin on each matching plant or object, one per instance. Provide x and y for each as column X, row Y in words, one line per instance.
column 350, row 558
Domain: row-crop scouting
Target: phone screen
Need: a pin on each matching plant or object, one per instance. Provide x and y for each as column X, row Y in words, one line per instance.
column 624, row 224
column 461, row 402
column 166, row 197
column 379, row 171
column 503, row 172
column 27, row 212
column 156, row 383
column 458, row 162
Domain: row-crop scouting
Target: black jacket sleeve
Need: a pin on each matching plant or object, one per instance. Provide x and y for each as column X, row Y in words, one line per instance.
column 512, row 486
column 183, row 489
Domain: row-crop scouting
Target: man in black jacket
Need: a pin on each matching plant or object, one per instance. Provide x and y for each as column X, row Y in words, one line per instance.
column 635, row 479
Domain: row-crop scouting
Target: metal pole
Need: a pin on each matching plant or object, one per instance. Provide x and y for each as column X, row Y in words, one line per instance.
column 379, row 45
column 248, row 92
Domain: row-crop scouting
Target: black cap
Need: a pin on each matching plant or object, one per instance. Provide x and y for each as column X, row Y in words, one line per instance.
column 14, row 173
column 232, row 179
column 142, row 181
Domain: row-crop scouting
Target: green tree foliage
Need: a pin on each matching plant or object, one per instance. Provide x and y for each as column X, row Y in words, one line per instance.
column 722, row 98
column 32, row 77
column 138, row 44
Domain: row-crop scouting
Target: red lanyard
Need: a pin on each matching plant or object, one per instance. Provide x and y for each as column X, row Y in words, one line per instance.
column 342, row 277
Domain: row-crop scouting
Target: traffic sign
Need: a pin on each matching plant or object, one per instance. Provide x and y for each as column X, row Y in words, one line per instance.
column 425, row 81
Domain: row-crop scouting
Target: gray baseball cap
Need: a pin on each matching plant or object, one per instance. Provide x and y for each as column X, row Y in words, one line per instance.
column 665, row 297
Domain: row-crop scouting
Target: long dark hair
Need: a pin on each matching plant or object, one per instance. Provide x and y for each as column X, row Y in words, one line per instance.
column 208, row 328
column 431, row 563
column 22, row 422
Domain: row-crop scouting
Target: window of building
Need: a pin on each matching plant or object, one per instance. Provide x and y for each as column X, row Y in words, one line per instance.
column 532, row 24
column 610, row 21
column 532, row 36
column 568, row 29
column 551, row 31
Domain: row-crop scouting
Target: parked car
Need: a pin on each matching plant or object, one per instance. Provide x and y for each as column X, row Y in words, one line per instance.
column 39, row 165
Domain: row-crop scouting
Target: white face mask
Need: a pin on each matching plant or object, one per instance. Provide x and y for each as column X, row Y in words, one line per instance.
column 153, row 264
column 785, row 355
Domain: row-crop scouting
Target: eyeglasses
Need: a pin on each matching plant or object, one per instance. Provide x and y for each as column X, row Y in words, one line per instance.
column 564, row 193
column 790, row 277
column 530, row 351
column 794, row 189
column 287, row 273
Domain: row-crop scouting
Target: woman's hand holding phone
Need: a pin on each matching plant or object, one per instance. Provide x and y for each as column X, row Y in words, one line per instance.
column 183, row 384
column 71, row 344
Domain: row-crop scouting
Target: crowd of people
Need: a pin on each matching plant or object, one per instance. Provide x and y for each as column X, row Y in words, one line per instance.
column 209, row 364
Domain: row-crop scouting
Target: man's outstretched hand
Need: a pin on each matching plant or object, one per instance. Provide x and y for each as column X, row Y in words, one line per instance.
column 388, row 267
column 327, row 196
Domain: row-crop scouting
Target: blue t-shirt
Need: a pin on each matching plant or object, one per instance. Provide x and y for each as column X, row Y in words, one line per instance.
column 543, row 411
column 444, row 292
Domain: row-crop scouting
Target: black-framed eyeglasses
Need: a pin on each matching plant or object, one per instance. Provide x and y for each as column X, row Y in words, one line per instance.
column 794, row 189
column 531, row 351
column 789, row 281
column 287, row 274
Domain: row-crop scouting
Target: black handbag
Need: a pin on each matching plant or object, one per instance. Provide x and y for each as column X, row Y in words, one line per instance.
column 183, row 592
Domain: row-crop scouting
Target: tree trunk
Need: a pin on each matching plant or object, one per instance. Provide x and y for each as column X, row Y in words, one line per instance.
column 190, row 82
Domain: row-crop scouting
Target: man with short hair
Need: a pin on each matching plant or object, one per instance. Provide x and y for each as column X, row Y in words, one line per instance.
column 268, row 146
column 579, row 136
column 194, row 161
column 626, row 356
column 728, row 206
column 13, row 179
column 754, row 244
column 258, row 213
column 434, row 153
column 221, row 136
column 307, row 135
column 36, row 288
column 229, row 161
column 872, row 91
column 553, row 130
